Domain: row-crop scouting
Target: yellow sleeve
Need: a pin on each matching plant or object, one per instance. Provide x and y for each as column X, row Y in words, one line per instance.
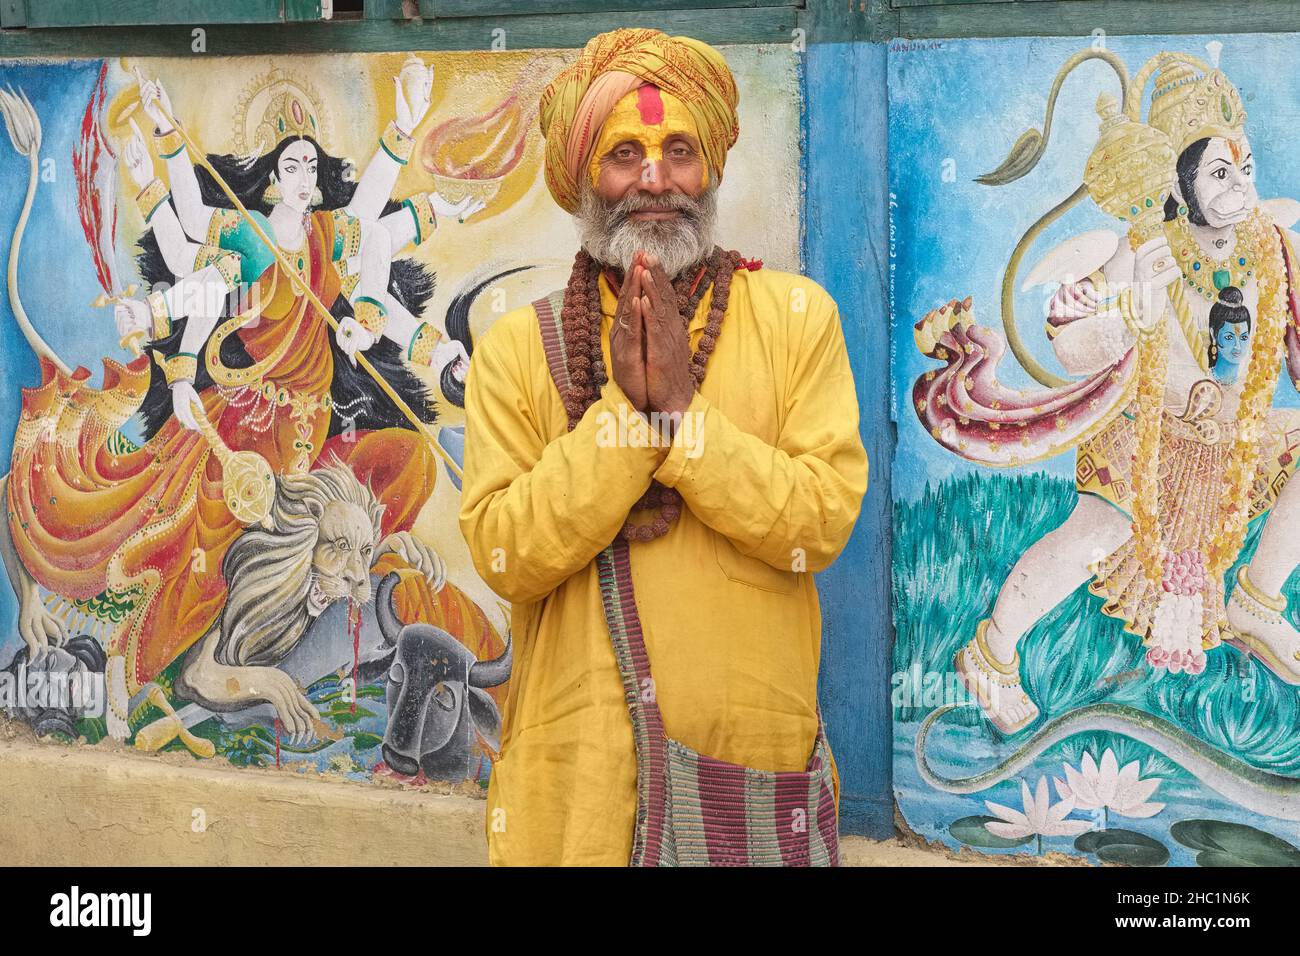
column 802, row 495
column 536, row 510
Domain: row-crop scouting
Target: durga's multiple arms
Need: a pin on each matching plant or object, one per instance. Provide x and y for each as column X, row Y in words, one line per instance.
column 395, row 145
column 193, row 214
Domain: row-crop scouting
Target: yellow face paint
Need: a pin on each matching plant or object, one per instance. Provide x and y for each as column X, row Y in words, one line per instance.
column 647, row 116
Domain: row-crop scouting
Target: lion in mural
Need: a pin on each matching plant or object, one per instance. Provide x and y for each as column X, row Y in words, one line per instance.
column 319, row 549
column 321, row 539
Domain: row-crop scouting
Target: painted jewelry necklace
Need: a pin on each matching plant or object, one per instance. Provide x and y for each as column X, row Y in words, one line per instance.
column 1201, row 273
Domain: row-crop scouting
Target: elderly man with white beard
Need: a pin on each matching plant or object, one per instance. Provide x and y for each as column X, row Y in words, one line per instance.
column 657, row 458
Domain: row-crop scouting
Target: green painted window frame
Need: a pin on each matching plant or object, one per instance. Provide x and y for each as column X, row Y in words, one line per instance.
column 956, row 19
column 512, row 8
column 63, row 14
column 66, row 14
column 452, row 25
column 164, row 27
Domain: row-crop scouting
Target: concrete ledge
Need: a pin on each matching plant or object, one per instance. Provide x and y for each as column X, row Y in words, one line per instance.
column 859, row 851
column 108, row 805
column 64, row 805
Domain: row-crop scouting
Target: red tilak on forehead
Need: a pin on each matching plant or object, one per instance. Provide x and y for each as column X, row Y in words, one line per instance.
column 650, row 104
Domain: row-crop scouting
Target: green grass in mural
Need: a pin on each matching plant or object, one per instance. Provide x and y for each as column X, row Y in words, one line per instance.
column 954, row 546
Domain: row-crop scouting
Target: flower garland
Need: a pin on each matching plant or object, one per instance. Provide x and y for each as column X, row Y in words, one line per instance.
column 581, row 319
column 1175, row 639
column 1256, row 397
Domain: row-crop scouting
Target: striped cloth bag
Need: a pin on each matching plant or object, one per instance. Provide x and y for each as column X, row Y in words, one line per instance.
column 693, row 809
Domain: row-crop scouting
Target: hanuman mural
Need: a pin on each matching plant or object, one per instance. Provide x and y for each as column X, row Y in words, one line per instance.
column 288, row 443
column 1174, row 333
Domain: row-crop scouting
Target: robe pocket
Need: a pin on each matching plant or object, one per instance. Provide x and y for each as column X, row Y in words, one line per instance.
column 752, row 572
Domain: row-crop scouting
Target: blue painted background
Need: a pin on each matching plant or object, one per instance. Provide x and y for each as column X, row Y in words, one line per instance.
column 56, row 270
column 845, row 249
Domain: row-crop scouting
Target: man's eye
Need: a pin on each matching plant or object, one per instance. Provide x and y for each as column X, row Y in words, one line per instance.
column 1219, row 173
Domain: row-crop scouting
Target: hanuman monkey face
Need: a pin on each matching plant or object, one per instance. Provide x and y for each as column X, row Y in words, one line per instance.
column 342, row 556
column 295, row 171
column 1225, row 182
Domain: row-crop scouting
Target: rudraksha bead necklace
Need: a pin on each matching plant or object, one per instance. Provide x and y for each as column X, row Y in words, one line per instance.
column 581, row 318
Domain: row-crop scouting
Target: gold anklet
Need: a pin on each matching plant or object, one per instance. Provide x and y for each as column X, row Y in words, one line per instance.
column 1272, row 603
column 1010, row 670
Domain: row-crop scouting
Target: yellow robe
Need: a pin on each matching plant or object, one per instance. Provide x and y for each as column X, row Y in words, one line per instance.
column 775, row 480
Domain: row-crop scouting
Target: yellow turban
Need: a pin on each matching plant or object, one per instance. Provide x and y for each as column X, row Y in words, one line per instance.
column 614, row 64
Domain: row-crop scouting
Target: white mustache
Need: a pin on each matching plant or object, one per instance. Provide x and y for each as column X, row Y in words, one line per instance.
column 670, row 202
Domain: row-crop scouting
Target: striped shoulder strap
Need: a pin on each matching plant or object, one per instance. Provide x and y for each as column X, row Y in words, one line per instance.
column 548, row 320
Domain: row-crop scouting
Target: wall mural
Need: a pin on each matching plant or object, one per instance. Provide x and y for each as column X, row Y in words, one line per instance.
column 243, row 294
column 1096, row 356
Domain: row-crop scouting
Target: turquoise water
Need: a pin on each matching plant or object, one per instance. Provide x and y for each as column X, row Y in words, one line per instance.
column 969, row 750
column 953, row 548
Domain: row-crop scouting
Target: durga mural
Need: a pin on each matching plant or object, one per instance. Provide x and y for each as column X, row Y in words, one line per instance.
column 1174, row 332
column 251, row 555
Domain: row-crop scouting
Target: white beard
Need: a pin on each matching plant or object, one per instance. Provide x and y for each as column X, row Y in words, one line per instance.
column 613, row 238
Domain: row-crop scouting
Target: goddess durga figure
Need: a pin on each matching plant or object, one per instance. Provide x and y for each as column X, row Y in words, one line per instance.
column 1177, row 336
column 136, row 536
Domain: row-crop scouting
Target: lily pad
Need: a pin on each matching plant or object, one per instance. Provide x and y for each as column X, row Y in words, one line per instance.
column 1233, row 844
column 1123, row 846
column 365, row 741
column 972, row 832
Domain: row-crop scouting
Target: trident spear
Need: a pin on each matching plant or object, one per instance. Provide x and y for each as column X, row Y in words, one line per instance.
column 420, row 425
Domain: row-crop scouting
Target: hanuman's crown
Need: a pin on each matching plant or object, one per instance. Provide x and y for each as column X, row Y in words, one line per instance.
column 1187, row 105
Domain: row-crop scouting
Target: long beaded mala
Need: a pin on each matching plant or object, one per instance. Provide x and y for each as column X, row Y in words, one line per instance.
column 581, row 318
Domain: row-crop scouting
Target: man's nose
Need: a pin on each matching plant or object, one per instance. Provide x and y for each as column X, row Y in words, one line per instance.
column 653, row 180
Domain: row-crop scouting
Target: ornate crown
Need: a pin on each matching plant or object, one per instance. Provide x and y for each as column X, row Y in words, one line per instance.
column 1132, row 169
column 273, row 108
column 1187, row 105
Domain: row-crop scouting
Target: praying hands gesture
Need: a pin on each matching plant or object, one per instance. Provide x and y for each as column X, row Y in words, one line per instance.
column 650, row 352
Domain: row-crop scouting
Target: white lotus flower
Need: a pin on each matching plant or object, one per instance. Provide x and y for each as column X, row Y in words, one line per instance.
column 1041, row 817
column 1092, row 787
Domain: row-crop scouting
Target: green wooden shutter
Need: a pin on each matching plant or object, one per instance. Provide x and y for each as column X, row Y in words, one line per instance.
column 37, row 14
